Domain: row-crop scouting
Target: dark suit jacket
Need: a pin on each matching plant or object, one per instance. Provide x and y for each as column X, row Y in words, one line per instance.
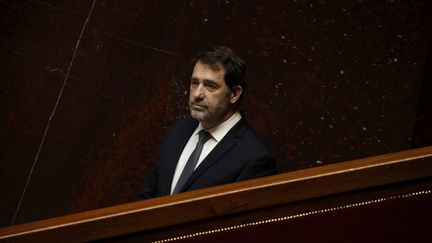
column 240, row 155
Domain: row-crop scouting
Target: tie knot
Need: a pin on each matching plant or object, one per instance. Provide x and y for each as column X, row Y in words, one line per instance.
column 203, row 136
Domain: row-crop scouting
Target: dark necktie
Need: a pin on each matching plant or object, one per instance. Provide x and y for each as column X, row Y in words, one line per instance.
column 192, row 161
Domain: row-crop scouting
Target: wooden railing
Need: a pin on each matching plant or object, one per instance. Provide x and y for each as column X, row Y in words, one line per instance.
column 231, row 208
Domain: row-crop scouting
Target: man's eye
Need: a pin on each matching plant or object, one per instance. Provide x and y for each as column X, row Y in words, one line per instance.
column 211, row 87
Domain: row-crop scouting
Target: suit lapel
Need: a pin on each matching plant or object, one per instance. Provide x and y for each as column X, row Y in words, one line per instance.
column 223, row 147
column 179, row 141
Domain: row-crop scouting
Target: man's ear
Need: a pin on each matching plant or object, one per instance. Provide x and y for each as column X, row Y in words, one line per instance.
column 235, row 94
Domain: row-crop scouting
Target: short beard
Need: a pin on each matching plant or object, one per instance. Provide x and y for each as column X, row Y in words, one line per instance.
column 211, row 117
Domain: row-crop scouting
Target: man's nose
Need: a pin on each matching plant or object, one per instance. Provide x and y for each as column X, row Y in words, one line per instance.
column 198, row 92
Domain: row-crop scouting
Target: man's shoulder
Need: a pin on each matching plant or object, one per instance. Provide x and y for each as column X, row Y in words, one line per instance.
column 179, row 130
column 250, row 138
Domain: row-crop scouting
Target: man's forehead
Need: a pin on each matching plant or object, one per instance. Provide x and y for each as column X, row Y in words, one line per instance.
column 208, row 72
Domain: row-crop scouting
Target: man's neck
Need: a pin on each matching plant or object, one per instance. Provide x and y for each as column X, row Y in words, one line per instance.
column 229, row 114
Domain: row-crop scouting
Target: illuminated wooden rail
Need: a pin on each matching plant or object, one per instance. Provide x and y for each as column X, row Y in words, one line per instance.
column 385, row 196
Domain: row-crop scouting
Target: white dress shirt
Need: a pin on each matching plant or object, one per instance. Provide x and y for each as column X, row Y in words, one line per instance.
column 218, row 133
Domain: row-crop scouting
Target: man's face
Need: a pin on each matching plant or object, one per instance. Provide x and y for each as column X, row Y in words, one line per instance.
column 210, row 99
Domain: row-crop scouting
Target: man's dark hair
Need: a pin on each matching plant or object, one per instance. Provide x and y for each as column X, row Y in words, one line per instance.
column 235, row 68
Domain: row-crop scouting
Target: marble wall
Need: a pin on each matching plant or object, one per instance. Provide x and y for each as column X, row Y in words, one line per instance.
column 87, row 88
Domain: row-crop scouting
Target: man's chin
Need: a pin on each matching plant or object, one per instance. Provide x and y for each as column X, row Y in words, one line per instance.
column 199, row 115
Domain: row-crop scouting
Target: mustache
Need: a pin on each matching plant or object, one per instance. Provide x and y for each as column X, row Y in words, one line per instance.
column 200, row 103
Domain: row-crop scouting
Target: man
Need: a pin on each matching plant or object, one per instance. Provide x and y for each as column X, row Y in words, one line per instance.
column 215, row 146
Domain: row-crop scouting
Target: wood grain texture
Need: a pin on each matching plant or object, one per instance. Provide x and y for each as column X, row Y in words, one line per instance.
column 242, row 197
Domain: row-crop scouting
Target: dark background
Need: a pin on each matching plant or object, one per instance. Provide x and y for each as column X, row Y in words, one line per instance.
column 82, row 116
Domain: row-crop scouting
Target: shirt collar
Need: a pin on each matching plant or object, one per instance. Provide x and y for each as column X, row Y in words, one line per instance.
column 219, row 131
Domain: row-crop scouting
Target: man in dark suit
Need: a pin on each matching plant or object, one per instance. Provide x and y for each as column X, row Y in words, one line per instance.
column 215, row 145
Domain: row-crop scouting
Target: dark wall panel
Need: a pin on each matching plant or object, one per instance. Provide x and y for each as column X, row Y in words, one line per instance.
column 327, row 82
column 36, row 47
